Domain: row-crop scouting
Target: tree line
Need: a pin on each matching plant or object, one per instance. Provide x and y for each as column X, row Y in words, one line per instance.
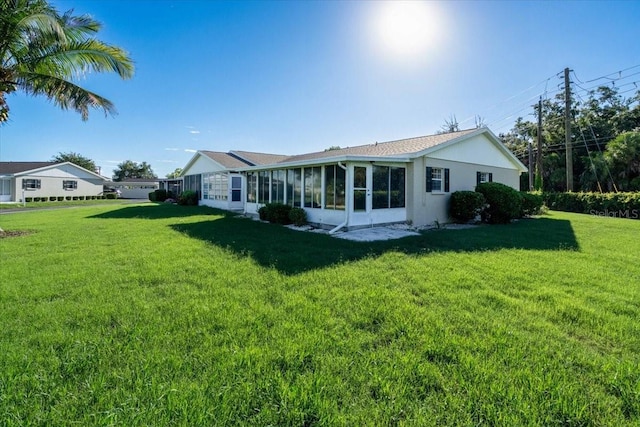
column 605, row 134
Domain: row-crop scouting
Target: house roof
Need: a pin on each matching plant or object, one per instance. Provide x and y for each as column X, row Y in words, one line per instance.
column 258, row 159
column 225, row 159
column 11, row 168
column 398, row 147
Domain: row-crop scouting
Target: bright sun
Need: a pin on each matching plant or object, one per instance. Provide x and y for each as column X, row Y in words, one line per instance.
column 405, row 31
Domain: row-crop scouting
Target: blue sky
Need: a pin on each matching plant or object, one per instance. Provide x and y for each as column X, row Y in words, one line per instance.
column 294, row 77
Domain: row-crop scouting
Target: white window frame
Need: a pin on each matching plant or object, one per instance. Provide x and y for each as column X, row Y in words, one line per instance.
column 69, row 184
column 440, row 180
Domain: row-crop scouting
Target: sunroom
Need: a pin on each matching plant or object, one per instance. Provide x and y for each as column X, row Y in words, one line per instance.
column 339, row 193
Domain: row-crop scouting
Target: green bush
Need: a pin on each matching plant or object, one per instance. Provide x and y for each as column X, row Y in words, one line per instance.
column 159, row 195
column 504, row 203
column 68, row 197
column 60, row 198
column 277, row 213
column 466, row 205
column 53, row 198
column 298, row 216
column 188, row 198
column 81, row 198
column 531, row 203
column 111, row 196
column 36, row 199
column 28, row 199
column 624, row 205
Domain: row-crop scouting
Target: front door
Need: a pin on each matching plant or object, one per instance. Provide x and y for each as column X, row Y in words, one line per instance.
column 235, row 192
column 361, row 196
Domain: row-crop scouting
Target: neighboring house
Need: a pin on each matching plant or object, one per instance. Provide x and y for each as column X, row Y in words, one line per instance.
column 408, row 180
column 216, row 178
column 136, row 188
column 27, row 180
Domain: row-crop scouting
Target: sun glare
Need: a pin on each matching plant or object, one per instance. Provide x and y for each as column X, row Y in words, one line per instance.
column 405, row 31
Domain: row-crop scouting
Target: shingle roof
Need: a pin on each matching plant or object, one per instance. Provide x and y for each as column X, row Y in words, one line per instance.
column 385, row 149
column 225, row 159
column 10, row 168
column 257, row 159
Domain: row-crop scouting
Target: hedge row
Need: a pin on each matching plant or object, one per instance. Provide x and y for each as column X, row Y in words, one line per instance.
column 495, row 203
column 282, row 214
column 68, row 198
column 623, row 205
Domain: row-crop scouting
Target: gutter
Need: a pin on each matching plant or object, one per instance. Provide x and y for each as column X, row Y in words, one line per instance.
column 346, row 205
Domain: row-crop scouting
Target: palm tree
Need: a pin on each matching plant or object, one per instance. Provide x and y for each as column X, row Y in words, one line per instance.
column 43, row 52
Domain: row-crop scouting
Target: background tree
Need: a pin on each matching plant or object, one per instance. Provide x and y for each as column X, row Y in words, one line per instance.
column 76, row 159
column 175, row 174
column 450, row 125
column 133, row 170
column 42, row 53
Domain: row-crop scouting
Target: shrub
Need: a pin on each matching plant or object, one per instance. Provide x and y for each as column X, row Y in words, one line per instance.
column 531, row 203
column 159, row 195
column 53, row 198
column 298, row 216
column 80, row 197
column 626, row 205
column 111, row 196
column 277, row 213
column 36, row 199
column 188, row 198
column 28, row 199
column 466, row 205
column 60, row 198
column 68, row 197
column 504, row 203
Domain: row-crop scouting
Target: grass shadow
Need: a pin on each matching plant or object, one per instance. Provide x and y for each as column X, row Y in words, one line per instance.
column 292, row 252
column 159, row 211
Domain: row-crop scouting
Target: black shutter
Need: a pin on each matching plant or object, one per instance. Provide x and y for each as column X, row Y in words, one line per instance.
column 446, row 180
column 490, row 177
column 478, row 177
column 429, row 186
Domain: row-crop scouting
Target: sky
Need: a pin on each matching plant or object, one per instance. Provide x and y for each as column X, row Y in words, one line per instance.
column 291, row 77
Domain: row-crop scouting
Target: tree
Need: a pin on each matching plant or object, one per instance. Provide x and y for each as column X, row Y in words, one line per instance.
column 133, row 170
column 623, row 158
column 175, row 174
column 42, row 53
column 76, row 159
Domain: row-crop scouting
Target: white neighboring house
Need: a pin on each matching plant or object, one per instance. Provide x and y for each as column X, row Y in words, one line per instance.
column 214, row 176
column 136, row 188
column 27, row 180
column 408, row 180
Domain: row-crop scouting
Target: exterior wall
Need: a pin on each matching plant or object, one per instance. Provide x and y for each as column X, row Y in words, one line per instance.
column 427, row 208
column 136, row 190
column 203, row 165
column 51, row 183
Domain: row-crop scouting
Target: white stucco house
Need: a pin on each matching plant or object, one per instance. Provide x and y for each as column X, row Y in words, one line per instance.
column 28, row 180
column 408, row 180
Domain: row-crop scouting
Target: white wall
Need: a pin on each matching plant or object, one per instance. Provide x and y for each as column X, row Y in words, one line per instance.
column 51, row 183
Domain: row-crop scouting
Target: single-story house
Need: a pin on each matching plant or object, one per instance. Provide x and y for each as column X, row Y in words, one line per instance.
column 136, row 188
column 27, row 180
column 408, row 180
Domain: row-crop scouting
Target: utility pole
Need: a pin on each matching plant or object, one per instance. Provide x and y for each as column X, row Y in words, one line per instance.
column 530, row 167
column 539, row 146
column 567, row 129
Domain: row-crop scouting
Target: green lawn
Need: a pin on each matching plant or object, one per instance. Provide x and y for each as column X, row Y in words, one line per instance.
column 169, row 315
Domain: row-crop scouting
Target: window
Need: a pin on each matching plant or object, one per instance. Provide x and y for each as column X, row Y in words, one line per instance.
column 236, row 189
column 30, row 184
column 312, row 187
column 69, row 185
column 483, row 177
column 334, row 185
column 263, row 187
column 252, row 187
column 437, row 180
column 359, row 188
column 294, row 187
column 277, row 186
column 388, row 187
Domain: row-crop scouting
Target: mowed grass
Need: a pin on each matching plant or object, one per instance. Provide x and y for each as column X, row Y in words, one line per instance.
column 169, row 315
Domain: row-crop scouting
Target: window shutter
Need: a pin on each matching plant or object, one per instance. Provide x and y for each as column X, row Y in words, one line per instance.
column 490, row 177
column 446, row 180
column 478, row 177
column 429, row 179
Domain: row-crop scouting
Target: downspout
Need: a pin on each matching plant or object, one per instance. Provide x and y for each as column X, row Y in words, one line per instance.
column 346, row 203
